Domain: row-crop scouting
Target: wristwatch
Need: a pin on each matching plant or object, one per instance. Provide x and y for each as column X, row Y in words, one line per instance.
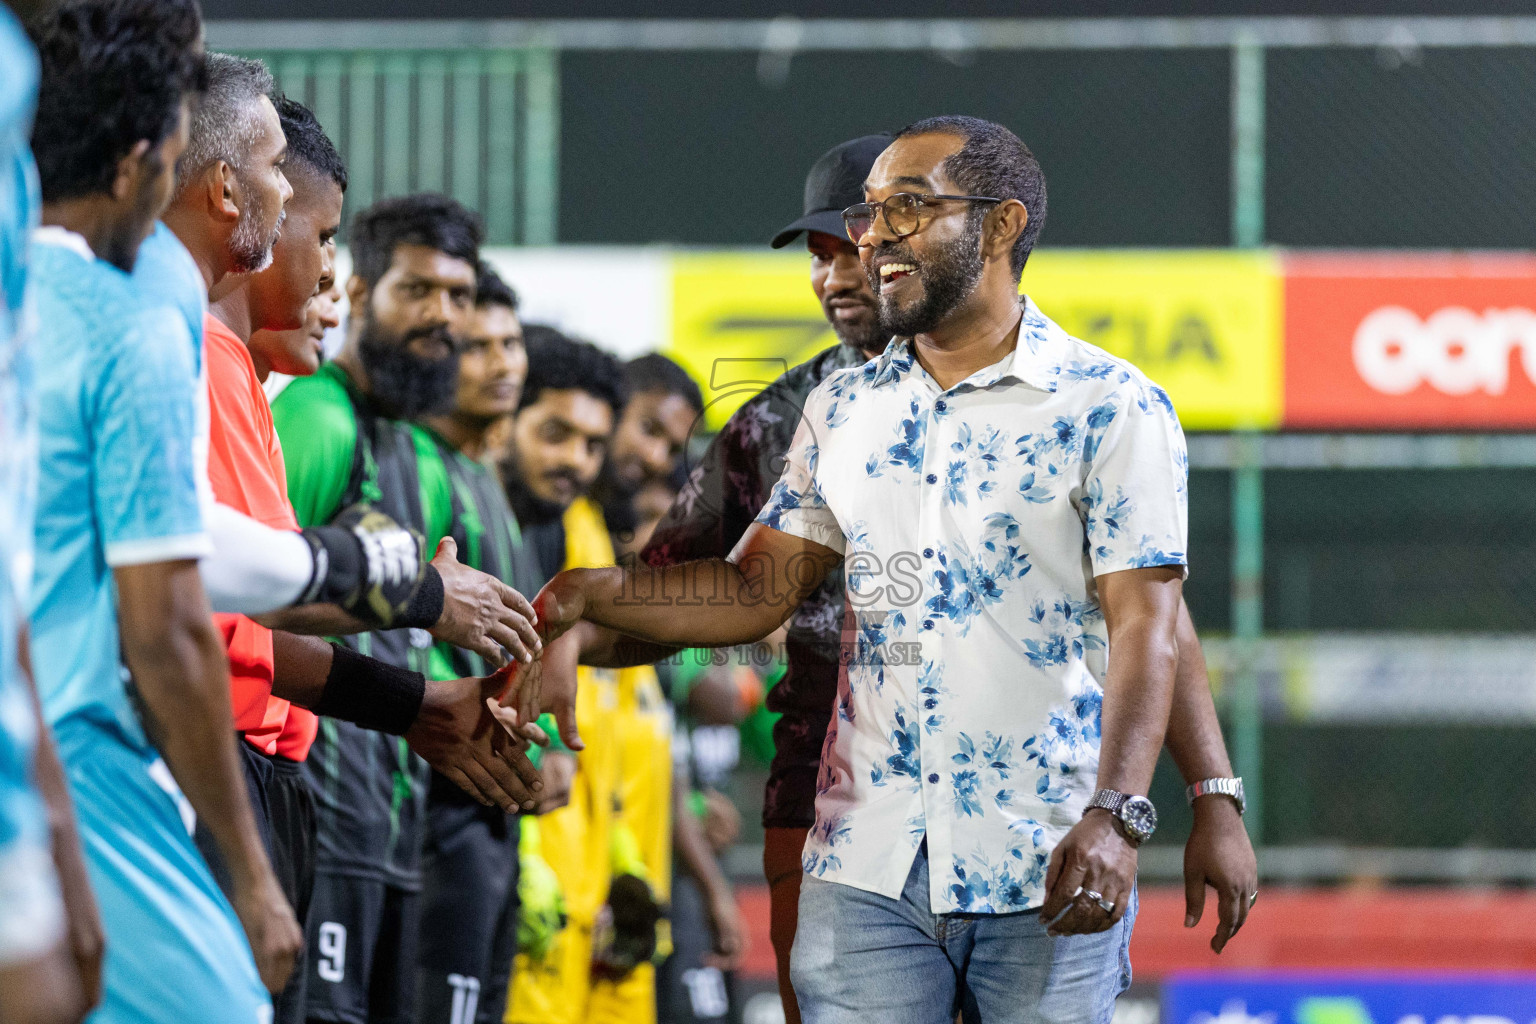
column 1137, row 816
column 1220, row 787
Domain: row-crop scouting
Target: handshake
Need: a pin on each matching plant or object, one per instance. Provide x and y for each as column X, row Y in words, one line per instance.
column 477, row 731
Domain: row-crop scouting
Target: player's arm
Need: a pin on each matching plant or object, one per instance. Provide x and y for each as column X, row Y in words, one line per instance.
column 1218, row 852
column 177, row 661
column 707, row 603
column 87, row 939
column 696, row 856
column 706, row 520
column 446, row 722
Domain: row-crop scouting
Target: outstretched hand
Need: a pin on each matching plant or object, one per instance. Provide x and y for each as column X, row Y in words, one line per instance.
column 459, row 736
column 481, row 613
column 560, row 605
column 554, row 691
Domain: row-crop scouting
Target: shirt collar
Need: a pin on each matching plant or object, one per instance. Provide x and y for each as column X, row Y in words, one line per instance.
column 1035, row 359
column 52, row 234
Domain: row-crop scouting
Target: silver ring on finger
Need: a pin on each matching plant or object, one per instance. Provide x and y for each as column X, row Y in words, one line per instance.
column 1106, row 905
column 1096, row 897
column 1253, row 898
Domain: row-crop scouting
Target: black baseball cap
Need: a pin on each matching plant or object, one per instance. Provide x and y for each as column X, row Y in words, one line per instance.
column 835, row 183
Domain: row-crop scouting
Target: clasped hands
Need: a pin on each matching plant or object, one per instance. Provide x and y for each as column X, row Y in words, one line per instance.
column 477, row 731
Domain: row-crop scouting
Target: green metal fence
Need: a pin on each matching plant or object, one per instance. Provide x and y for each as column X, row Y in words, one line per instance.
column 481, row 126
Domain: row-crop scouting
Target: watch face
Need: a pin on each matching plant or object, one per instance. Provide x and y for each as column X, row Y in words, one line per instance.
column 1139, row 817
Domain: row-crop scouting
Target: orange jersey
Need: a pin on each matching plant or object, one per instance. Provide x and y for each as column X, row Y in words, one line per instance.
column 245, row 469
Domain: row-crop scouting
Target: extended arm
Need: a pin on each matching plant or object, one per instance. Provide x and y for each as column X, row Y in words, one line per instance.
column 444, row 721
column 178, row 666
column 708, row 603
column 1140, row 612
column 1218, row 853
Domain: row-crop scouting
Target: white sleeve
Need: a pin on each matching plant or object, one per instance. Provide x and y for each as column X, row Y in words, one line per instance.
column 254, row 568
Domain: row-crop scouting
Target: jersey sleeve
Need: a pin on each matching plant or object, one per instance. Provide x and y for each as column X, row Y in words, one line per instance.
column 1134, row 501
column 318, row 432
column 143, row 414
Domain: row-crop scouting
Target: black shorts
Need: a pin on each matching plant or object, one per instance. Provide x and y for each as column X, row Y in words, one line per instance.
column 361, row 937
column 292, row 806
column 284, row 808
column 687, row 989
column 468, row 909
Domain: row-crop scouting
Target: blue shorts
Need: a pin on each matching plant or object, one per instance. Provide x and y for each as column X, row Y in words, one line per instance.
column 175, row 950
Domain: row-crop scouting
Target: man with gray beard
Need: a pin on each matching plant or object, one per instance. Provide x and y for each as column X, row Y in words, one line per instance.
column 230, row 187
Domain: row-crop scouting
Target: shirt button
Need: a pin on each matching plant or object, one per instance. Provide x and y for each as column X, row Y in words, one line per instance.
column 927, row 552
column 933, row 776
column 932, row 479
column 927, row 623
column 940, row 405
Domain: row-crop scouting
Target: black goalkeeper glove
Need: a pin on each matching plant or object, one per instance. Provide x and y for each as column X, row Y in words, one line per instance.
column 372, row 568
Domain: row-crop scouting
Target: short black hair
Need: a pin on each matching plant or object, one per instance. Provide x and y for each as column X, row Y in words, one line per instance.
column 491, row 290
column 992, row 162
column 424, row 218
column 654, row 372
column 224, row 126
column 307, row 142
column 113, row 73
column 557, row 362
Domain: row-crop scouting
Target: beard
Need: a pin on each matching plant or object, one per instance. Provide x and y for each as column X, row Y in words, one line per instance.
column 868, row 336
column 250, row 246
column 948, row 276
column 404, row 384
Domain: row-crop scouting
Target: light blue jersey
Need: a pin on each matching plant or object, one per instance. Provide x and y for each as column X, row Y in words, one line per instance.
column 117, row 418
column 117, row 408
column 166, row 275
column 31, row 915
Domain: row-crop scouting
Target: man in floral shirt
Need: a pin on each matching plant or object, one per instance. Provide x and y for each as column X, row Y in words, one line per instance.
column 731, row 484
column 1009, row 506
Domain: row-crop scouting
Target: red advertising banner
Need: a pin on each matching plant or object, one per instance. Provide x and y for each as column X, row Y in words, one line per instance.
column 1410, row 342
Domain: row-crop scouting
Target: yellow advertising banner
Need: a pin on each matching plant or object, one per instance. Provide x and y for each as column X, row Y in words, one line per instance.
column 740, row 319
column 1206, row 325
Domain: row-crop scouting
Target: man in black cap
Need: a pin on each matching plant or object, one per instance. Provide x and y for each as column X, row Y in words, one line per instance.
column 730, row 486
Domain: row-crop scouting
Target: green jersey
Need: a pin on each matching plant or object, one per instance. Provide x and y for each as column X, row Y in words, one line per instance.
column 339, row 450
column 489, row 538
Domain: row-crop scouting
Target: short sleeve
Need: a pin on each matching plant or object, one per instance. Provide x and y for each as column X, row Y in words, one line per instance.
column 796, row 506
column 144, row 406
column 318, row 432
column 1135, row 497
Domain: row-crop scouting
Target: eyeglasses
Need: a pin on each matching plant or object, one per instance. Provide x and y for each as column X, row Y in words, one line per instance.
column 903, row 213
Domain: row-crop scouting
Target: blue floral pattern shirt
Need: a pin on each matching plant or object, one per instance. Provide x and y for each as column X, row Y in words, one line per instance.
column 973, row 523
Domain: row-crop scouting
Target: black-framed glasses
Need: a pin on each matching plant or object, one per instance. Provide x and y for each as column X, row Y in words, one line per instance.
column 903, row 213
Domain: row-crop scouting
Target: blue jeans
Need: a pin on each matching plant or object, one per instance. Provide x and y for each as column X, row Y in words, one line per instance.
column 861, row 957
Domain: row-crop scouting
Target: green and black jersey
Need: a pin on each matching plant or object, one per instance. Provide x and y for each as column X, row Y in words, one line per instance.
column 489, row 538
column 339, row 450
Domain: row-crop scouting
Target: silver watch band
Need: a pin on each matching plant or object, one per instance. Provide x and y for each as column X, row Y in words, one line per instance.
column 1218, row 787
column 1109, row 799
